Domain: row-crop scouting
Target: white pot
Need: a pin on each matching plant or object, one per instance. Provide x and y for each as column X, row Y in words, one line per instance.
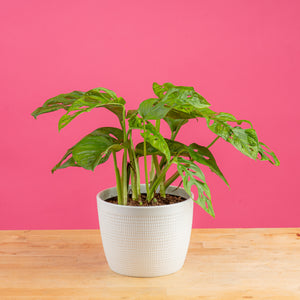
column 145, row 241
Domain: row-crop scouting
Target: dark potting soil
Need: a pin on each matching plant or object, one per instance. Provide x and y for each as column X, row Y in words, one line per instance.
column 156, row 201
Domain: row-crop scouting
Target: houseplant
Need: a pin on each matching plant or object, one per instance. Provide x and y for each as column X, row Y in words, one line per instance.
column 140, row 237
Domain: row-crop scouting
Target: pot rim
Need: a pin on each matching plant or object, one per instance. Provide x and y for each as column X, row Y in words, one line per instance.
column 146, row 207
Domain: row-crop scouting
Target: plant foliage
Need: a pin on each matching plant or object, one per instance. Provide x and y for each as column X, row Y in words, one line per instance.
column 175, row 105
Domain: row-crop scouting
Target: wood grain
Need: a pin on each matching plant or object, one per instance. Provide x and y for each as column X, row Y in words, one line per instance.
column 221, row 264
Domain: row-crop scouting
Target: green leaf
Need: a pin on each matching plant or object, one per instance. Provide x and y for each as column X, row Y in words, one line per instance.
column 184, row 102
column 176, row 149
column 93, row 149
column 153, row 109
column 195, row 152
column 181, row 95
column 244, row 140
column 174, row 102
column 94, row 98
column 135, row 122
column 203, row 156
column 69, row 163
column 225, row 117
column 108, row 94
column 189, row 172
column 175, row 124
column 159, row 90
column 131, row 113
column 189, row 114
column 267, row 155
column 139, row 149
column 90, row 151
column 62, row 101
column 154, row 138
column 150, row 134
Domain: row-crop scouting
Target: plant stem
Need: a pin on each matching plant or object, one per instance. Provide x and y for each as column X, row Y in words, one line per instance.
column 162, row 190
column 174, row 134
column 133, row 183
column 145, row 164
column 134, row 173
column 118, row 178
column 213, row 142
column 124, row 164
column 124, row 178
column 138, row 176
column 171, row 179
column 162, row 162
column 155, row 164
column 158, row 180
column 136, row 168
column 138, row 179
column 152, row 171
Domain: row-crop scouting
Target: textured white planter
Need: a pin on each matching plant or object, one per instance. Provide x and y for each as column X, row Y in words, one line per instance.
column 145, row 241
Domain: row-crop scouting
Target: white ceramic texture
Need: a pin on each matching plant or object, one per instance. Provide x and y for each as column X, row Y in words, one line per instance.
column 145, row 241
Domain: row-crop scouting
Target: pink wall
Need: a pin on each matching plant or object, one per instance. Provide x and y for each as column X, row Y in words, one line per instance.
column 243, row 56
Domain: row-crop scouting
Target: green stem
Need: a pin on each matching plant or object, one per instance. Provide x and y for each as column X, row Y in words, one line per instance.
column 153, row 167
column 145, row 164
column 162, row 162
column 174, row 134
column 157, row 167
column 152, row 170
column 124, row 178
column 213, row 142
column 133, row 183
column 157, row 125
column 124, row 164
column 133, row 169
column 171, row 179
column 162, row 190
column 138, row 177
column 118, row 178
column 137, row 168
column 158, row 181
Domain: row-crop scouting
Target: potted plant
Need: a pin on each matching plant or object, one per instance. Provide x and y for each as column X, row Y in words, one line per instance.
column 146, row 228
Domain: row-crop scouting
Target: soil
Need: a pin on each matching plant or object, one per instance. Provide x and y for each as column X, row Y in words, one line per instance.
column 156, row 201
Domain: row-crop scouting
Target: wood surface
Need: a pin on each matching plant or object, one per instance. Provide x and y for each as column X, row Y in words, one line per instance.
column 221, row 264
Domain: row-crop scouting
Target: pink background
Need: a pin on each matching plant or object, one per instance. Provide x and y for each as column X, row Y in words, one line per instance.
column 243, row 56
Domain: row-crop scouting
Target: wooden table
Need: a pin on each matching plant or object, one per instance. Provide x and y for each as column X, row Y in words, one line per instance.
column 221, row 264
